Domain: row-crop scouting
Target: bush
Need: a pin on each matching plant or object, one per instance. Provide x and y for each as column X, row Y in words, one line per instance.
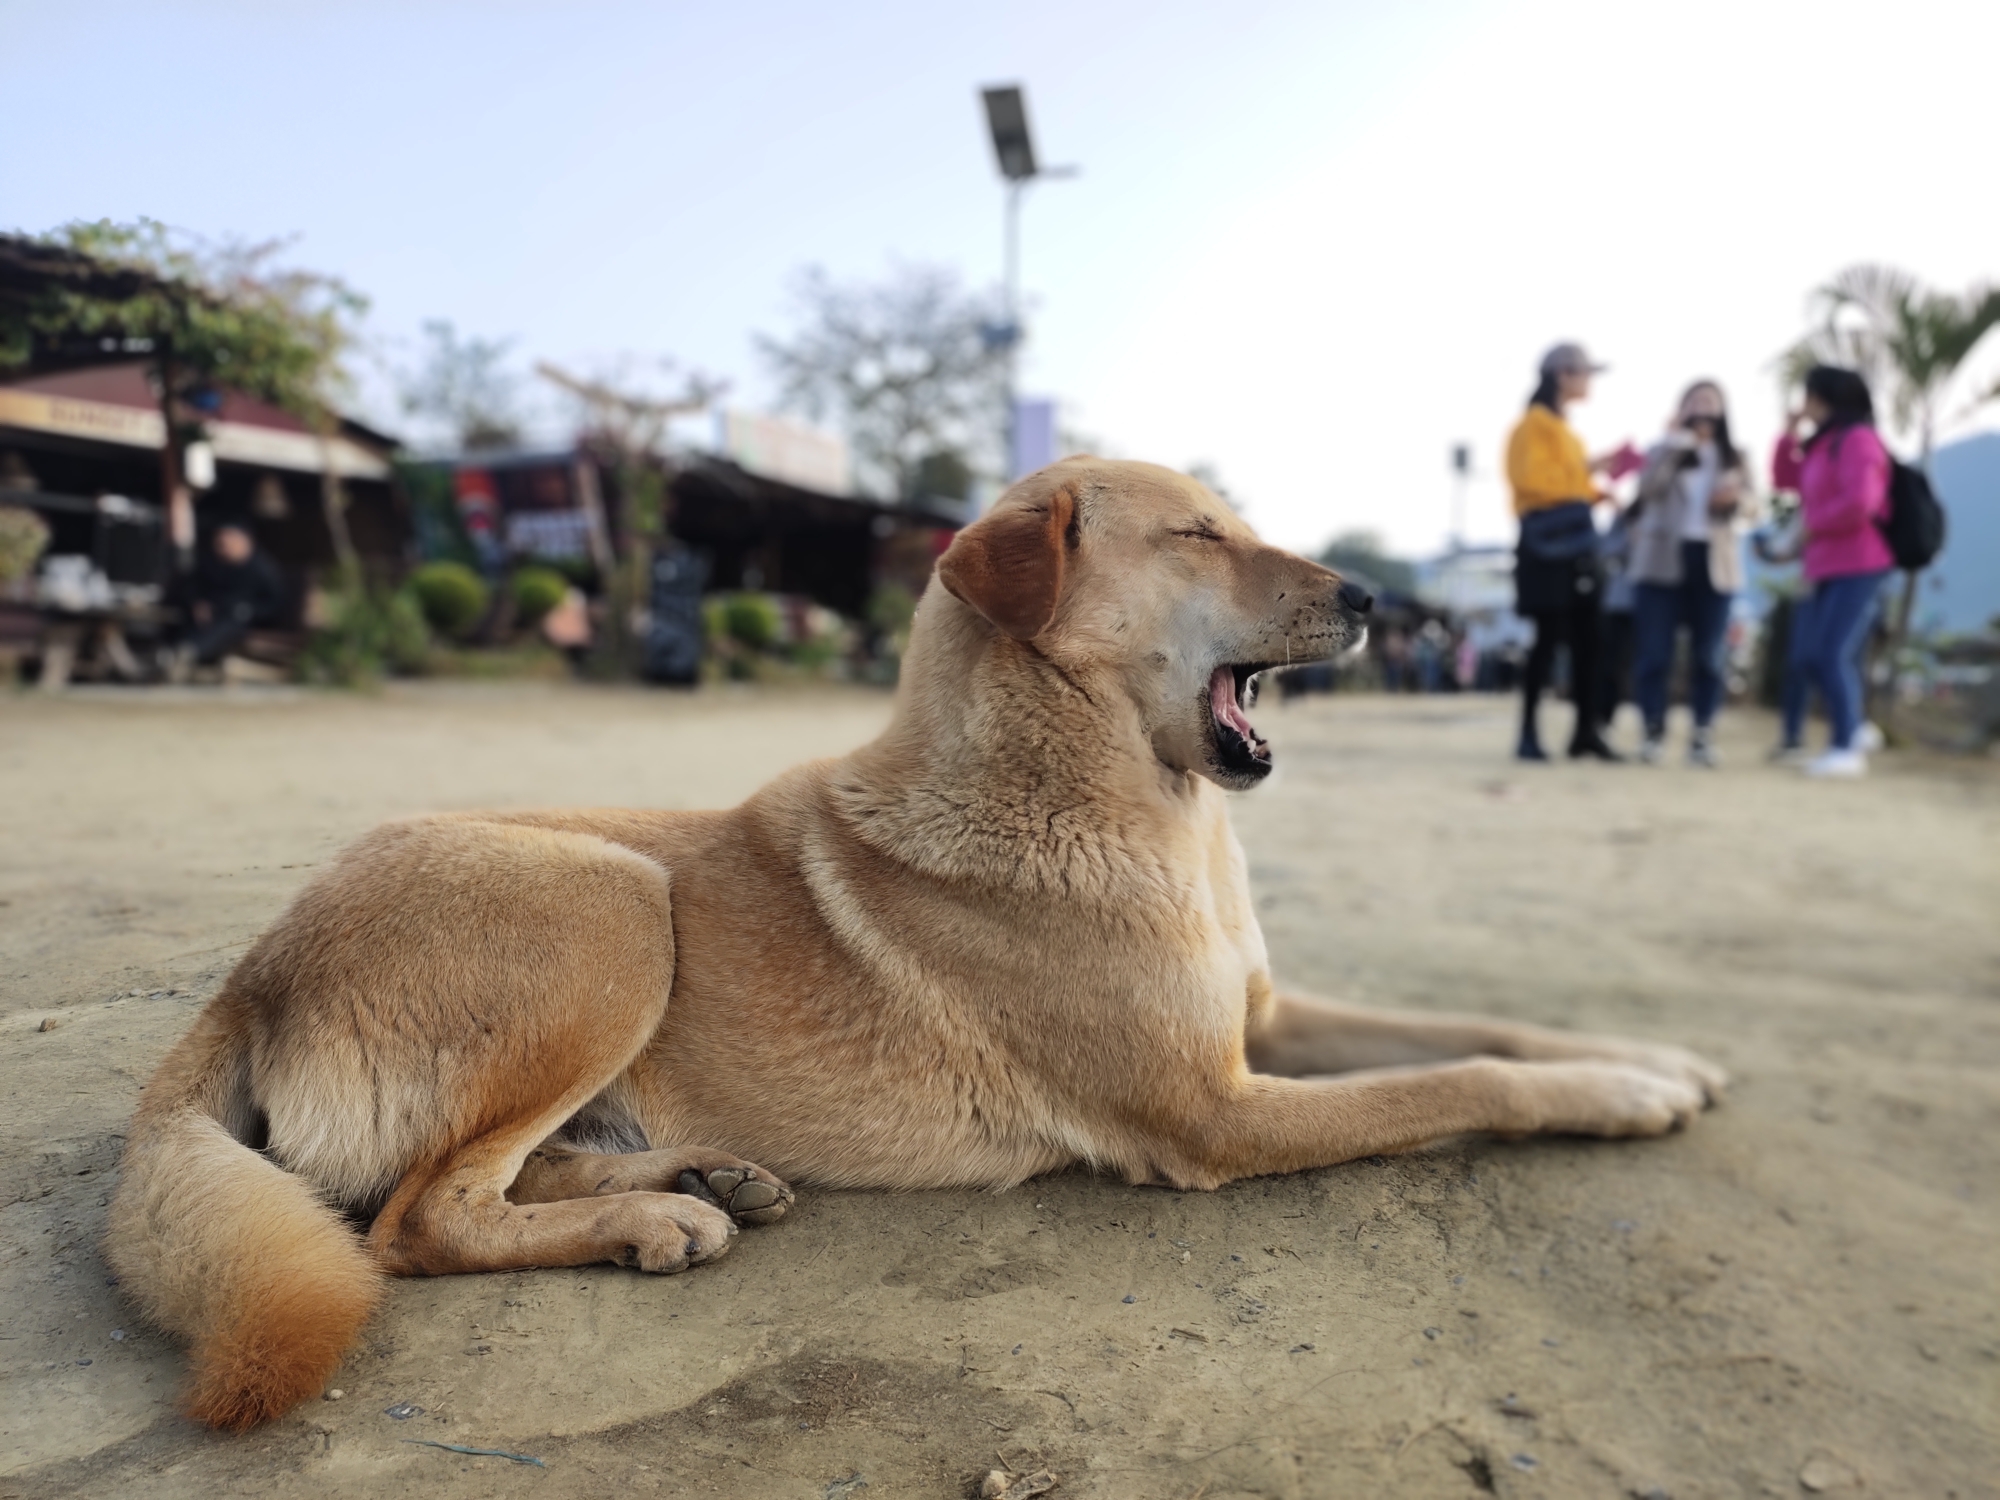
column 367, row 632
column 890, row 609
column 23, row 535
column 751, row 620
column 453, row 597
column 537, row 590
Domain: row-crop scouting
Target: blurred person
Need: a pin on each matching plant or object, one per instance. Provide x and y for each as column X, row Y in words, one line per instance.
column 1840, row 472
column 1395, row 660
column 234, row 588
column 1433, row 645
column 567, row 628
column 1687, row 565
column 1614, row 684
column 1557, row 575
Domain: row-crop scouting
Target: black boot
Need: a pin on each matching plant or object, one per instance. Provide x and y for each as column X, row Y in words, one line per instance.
column 1594, row 746
column 1530, row 747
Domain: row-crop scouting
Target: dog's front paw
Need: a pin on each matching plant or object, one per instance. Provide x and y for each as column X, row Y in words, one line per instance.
column 1678, row 1063
column 668, row 1232
column 747, row 1193
column 1606, row 1099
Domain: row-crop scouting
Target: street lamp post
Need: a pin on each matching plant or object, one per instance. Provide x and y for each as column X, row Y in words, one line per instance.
column 1014, row 152
column 1461, row 470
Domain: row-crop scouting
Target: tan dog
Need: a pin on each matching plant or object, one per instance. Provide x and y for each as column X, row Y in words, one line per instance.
column 1011, row 934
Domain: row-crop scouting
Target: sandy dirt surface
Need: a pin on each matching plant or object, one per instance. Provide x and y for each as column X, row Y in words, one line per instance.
column 1796, row 1296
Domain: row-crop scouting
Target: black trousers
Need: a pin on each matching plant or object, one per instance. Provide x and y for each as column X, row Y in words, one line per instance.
column 1614, row 683
column 1581, row 627
column 216, row 639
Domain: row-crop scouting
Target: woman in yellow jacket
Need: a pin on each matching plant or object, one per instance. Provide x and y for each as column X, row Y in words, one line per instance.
column 1557, row 575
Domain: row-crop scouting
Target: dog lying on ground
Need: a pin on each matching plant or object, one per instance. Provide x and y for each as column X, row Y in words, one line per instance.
column 1012, row 934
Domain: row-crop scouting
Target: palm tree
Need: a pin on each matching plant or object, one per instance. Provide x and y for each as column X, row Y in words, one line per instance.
column 1910, row 342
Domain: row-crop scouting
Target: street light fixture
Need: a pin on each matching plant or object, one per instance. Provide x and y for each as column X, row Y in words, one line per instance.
column 1014, row 153
column 1461, row 470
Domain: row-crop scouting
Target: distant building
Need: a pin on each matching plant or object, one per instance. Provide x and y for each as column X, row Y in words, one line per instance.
column 789, row 452
column 1960, row 594
column 82, row 447
column 1475, row 585
column 755, row 528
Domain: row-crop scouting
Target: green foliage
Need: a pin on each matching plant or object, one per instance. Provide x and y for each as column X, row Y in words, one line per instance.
column 222, row 312
column 943, row 475
column 23, row 535
column 890, row 609
column 453, row 597
column 434, row 508
column 579, row 570
column 751, row 620
column 537, row 591
column 1907, row 339
column 368, row 631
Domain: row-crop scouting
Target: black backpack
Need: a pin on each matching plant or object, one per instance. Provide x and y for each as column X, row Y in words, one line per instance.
column 1914, row 527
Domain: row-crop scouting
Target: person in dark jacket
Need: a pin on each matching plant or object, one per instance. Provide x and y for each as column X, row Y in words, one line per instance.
column 1557, row 573
column 233, row 589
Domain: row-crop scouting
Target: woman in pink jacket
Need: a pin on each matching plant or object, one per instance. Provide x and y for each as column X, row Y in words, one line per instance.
column 1841, row 476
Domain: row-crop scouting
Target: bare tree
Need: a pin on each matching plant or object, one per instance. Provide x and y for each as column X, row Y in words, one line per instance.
column 909, row 368
column 634, row 421
column 464, row 385
column 633, row 424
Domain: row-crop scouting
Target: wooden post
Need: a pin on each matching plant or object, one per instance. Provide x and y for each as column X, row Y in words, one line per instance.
column 333, row 501
column 176, row 499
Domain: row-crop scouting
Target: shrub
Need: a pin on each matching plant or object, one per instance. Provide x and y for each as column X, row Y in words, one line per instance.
column 23, row 535
column 366, row 632
column 537, row 590
column 890, row 609
column 453, row 597
column 751, row 620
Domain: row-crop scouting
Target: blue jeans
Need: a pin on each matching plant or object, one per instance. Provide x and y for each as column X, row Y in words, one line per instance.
column 1829, row 628
column 1659, row 612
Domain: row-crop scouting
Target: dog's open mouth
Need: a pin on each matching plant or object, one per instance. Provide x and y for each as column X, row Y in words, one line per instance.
column 1238, row 748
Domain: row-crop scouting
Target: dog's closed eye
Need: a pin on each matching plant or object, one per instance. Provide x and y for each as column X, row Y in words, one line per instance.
column 1201, row 533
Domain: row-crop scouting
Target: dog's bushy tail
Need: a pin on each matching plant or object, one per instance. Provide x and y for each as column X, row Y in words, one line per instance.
column 227, row 1249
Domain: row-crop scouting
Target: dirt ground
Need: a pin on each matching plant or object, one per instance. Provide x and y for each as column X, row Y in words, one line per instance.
column 1798, row 1295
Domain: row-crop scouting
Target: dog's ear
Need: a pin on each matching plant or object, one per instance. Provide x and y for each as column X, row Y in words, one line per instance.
column 1009, row 564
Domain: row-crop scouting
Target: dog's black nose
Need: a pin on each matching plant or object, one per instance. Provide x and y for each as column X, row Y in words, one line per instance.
column 1354, row 597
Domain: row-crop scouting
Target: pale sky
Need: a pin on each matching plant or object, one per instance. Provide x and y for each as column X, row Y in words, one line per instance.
column 1313, row 244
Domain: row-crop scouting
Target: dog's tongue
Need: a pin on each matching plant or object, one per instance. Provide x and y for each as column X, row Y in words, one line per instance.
column 1222, row 702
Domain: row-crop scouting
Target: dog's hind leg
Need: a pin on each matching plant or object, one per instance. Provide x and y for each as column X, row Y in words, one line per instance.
column 458, row 1218
column 750, row 1194
column 1301, row 1038
column 535, row 966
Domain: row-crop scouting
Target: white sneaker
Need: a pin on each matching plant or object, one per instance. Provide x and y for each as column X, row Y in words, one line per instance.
column 1837, row 763
column 1868, row 738
column 1651, row 749
column 1702, row 751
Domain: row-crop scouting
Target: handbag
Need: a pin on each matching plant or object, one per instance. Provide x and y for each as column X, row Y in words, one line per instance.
column 1560, row 533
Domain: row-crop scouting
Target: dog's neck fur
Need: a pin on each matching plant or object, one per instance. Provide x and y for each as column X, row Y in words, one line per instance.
column 1000, row 759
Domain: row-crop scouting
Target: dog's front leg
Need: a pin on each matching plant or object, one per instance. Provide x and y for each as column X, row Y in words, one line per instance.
column 1264, row 1125
column 1301, row 1038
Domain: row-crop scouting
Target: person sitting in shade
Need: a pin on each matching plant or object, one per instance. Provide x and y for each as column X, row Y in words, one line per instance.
column 233, row 589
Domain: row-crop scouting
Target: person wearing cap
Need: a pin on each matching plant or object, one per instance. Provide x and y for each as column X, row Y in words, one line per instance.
column 1557, row 573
